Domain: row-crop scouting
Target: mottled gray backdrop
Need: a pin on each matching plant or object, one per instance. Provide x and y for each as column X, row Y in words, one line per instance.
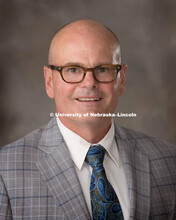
column 147, row 32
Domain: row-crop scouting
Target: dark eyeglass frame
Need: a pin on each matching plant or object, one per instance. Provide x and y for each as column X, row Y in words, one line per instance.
column 118, row 67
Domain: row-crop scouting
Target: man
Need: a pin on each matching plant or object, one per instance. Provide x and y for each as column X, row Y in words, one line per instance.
column 46, row 174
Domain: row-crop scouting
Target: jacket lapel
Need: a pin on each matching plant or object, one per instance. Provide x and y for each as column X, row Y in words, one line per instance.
column 137, row 170
column 57, row 169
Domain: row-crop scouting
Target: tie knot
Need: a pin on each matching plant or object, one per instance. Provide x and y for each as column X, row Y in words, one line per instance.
column 95, row 157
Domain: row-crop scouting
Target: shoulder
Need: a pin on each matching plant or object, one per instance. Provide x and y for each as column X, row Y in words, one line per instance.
column 29, row 142
column 24, row 153
column 30, row 139
column 145, row 143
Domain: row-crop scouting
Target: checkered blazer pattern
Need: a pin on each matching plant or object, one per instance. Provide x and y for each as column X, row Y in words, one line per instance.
column 38, row 178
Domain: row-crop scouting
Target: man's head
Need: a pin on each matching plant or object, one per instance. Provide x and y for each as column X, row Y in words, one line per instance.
column 88, row 44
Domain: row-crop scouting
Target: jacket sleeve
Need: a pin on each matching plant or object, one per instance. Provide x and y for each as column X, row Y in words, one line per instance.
column 5, row 208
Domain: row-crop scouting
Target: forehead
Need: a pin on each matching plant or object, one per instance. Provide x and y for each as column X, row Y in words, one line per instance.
column 82, row 43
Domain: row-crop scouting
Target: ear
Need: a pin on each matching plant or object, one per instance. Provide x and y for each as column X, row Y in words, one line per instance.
column 49, row 85
column 122, row 79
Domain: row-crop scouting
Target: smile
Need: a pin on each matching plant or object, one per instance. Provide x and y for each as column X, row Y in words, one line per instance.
column 88, row 99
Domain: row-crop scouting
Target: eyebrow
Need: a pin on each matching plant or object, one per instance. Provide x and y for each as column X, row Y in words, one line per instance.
column 82, row 65
column 73, row 64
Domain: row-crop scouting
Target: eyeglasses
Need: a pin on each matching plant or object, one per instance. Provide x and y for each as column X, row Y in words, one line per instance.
column 75, row 74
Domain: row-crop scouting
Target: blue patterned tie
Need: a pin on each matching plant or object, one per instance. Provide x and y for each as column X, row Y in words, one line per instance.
column 104, row 202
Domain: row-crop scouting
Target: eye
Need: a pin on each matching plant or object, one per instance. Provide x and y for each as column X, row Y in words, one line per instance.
column 72, row 69
column 102, row 69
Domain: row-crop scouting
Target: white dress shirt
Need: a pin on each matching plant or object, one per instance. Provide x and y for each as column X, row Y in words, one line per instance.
column 78, row 150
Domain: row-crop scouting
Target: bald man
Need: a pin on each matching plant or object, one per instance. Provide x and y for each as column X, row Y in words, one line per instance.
column 86, row 167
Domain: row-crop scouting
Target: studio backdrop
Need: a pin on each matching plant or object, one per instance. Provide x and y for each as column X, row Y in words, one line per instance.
column 147, row 34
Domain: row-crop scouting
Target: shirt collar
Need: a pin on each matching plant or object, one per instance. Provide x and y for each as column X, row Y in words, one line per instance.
column 109, row 143
column 79, row 147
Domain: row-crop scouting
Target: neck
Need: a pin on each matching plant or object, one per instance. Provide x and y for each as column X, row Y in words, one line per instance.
column 92, row 132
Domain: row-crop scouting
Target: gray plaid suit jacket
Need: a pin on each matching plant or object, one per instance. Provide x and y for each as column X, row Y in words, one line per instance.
column 38, row 178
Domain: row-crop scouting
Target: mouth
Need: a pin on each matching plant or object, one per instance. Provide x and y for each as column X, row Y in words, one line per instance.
column 88, row 99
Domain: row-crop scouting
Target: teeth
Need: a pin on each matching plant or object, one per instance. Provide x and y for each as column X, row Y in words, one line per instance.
column 89, row 99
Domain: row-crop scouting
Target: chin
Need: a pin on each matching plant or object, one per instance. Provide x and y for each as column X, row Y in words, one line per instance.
column 94, row 119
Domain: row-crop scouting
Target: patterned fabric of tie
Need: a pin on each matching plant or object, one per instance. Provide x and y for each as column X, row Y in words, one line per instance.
column 104, row 202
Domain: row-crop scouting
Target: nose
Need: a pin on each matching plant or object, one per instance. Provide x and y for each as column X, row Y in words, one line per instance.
column 89, row 81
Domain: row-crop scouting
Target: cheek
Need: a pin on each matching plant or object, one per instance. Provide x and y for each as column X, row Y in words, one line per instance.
column 113, row 90
column 116, row 85
column 58, row 90
column 62, row 98
column 113, row 95
column 63, row 91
